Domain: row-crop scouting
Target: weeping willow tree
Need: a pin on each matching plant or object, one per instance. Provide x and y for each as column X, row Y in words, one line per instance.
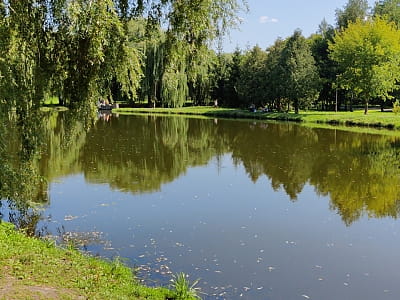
column 192, row 26
column 150, row 40
column 80, row 49
column 24, row 48
column 97, row 51
column 174, row 79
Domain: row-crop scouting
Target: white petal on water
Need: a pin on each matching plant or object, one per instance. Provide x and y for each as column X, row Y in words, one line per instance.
column 305, row 296
column 270, row 268
column 70, row 218
column 318, row 267
column 260, row 288
column 345, row 284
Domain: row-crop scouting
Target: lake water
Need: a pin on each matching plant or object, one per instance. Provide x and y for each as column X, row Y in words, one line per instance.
column 255, row 210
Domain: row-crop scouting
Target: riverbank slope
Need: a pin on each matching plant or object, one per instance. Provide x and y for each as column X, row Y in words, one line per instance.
column 36, row 269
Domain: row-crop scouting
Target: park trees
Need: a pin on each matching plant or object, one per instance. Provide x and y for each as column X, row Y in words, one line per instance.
column 252, row 78
column 368, row 53
column 326, row 66
column 351, row 12
column 389, row 9
column 300, row 78
column 82, row 49
column 274, row 75
column 192, row 26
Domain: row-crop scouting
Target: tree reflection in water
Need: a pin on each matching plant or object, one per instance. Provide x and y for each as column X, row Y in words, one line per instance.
column 138, row 154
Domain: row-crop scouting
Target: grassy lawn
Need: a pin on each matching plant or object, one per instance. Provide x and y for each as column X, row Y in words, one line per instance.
column 374, row 118
column 36, row 269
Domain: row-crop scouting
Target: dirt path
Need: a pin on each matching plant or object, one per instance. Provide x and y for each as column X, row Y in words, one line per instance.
column 14, row 289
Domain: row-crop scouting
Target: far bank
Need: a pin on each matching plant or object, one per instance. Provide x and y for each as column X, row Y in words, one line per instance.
column 374, row 119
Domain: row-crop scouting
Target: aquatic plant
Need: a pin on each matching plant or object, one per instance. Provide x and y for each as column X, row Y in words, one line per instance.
column 183, row 288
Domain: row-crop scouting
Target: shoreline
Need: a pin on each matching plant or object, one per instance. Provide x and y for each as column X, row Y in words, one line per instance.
column 374, row 121
column 38, row 269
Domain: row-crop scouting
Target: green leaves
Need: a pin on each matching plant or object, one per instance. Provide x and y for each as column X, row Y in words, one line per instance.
column 368, row 52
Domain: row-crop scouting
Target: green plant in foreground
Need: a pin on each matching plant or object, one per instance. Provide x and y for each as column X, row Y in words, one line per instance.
column 183, row 288
column 396, row 107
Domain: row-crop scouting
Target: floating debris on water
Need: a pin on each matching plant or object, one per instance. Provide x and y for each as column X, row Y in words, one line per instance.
column 318, row 267
column 70, row 218
column 305, row 296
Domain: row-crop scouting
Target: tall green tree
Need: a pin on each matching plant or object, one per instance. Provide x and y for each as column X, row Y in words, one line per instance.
column 96, row 51
column 389, row 9
column 275, row 76
column 368, row 52
column 24, row 50
column 326, row 67
column 300, row 74
column 252, row 78
column 351, row 12
column 231, row 95
column 192, row 26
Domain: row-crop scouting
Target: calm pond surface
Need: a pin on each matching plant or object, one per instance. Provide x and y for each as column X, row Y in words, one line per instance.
column 255, row 210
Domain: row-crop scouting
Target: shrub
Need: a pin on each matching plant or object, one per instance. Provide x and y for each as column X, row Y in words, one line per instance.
column 396, row 107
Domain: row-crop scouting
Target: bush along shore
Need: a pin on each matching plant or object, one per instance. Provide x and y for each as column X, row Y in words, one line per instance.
column 374, row 119
column 31, row 268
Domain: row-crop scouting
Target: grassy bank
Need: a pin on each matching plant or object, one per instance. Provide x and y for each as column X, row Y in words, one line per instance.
column 36, row 269
column 374, row 118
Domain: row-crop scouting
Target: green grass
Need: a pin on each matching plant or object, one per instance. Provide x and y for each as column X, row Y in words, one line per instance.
column 374, row 118
column 37, row 269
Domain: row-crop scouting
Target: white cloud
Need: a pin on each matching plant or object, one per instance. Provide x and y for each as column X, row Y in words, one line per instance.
column 266, row 19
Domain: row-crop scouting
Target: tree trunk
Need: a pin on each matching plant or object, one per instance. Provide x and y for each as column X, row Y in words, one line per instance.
column 351, row 103
column 366, row 108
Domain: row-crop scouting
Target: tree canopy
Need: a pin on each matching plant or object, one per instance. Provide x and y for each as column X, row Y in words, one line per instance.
column 368, row 52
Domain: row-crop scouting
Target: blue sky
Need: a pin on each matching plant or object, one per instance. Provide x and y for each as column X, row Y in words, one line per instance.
column 269, row 19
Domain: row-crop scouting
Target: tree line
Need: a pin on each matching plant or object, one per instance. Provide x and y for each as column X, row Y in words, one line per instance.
column 355, row 62
column 84, row 49
column 164, row 53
